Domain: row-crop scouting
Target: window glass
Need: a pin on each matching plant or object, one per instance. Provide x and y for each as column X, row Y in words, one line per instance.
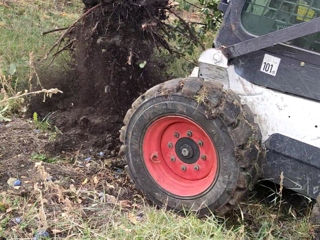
column 263, row 16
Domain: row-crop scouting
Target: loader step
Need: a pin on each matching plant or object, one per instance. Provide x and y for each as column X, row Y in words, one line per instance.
column 298, row 161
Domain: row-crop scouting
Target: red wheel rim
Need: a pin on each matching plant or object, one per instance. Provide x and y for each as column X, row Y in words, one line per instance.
column 168, row 165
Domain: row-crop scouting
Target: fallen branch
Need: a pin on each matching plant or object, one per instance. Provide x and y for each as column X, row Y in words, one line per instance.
column 47, row 93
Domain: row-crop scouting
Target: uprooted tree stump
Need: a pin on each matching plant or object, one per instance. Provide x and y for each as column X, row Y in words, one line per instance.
column 113, row 47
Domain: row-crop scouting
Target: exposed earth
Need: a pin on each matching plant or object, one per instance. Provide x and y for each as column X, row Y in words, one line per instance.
column 60, row 183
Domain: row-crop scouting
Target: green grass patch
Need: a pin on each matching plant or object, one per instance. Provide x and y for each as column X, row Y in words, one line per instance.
column 23, row 47
column 21, row 27
column 44, row 158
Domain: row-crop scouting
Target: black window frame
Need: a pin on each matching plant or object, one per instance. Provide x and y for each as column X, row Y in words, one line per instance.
column 236, row 7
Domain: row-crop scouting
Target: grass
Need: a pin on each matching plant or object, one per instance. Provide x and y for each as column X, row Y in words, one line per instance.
column 44, row 158
column 22, row 24
column 102, row 219
column 23, row 47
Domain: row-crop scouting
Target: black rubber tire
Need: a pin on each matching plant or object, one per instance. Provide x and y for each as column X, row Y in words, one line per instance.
column 229, row 124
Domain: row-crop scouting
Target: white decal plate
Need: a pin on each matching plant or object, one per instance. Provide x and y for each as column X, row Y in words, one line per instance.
column 270, row 65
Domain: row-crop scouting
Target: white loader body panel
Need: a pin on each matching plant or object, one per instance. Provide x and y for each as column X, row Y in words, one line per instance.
column 274, row 111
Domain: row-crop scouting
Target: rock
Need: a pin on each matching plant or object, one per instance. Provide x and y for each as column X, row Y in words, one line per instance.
column 49, row 179
column 11, row 181
column 101, row 154
column 101, row 195
column 17, row 183
column 41, row 234
column 17, row 220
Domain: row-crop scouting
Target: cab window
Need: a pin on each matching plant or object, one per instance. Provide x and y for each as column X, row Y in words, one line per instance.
column 264, row 16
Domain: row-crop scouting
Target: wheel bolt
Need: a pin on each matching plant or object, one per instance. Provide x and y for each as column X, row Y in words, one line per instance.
column 189, row 133
column 173, row 159
column 204, row 157
column 200, row 143
column 183, row 168
column 177, row 135
column 196, row 167
column 170, row 145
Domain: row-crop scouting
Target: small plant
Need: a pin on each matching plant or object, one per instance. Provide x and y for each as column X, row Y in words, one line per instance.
column 44, row 124
column 201, row 96
column 43, row 158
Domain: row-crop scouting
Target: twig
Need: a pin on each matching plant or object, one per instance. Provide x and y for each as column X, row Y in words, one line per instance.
column 54, row 30
column 69, row 44
column 48, row 93
column 58, row 42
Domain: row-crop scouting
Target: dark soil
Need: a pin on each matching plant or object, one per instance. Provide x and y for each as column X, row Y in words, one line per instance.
column 20, row 142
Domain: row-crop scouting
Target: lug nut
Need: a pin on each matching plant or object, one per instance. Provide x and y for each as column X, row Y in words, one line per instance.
column 173, row 159
column 204, row 157
column 189, row 133
column 196, row 167
column 185, row 152
column 177, row 135
column 200, row 143
column 184, row 168
column 170, row 145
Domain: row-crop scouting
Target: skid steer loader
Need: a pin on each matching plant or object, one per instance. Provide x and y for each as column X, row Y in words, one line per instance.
column 250, row 110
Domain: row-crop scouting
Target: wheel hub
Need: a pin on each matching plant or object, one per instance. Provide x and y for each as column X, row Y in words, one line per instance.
column 186, row 161
column 187, row 150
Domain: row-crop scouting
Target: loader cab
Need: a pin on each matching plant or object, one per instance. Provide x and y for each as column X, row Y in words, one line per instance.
column 287, row 104
column 296, row 64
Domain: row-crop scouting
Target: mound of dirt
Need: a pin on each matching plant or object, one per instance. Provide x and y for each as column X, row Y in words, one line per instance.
column 113, row 47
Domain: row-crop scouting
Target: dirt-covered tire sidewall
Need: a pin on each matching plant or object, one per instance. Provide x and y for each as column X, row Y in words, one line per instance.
column 178, row 98
column 181, row 106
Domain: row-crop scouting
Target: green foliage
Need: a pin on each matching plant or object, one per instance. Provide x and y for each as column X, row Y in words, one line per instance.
column 35, row 117
column 200, row 19
column 212, row 17
column 43, row 158
column 44, row 124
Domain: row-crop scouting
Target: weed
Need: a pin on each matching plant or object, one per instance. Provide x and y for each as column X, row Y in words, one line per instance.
column 44, row 158
column 201, row 96
column 43, row 125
